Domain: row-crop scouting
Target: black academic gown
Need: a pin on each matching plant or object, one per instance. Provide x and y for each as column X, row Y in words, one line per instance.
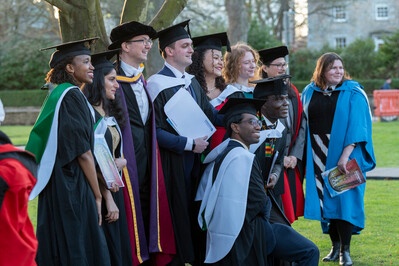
column 181, row 168
column 141, row 133
column 116, row 233
column 265, row 162
column 256, row 238
column 67, row 222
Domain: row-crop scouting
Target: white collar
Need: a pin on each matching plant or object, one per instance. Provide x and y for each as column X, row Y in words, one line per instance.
column 177, row 73
column 131, row 70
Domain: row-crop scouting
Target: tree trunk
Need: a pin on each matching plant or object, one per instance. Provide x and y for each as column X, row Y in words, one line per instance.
column 79, row 19
column 238, row 20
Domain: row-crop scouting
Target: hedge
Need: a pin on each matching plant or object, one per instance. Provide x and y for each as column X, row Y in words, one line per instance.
column 21, row 98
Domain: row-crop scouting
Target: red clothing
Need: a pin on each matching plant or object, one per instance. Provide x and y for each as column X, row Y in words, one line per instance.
column 18, row 244
column 218, row 136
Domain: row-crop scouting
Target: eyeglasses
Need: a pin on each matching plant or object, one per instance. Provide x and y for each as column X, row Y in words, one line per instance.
column 253, row 122
column 144, row 41
column 281, row 65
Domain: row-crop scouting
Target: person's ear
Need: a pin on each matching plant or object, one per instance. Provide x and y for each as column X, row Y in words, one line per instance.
column 69, row 69
column 235, row 128
column 169, row 51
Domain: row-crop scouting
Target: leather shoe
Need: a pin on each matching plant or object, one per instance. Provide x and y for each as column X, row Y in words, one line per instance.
column 334, row 253
column 344, row 257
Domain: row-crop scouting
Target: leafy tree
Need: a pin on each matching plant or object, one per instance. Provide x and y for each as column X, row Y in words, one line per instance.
column 261, row 37
column 360, row 59
column 389, row 56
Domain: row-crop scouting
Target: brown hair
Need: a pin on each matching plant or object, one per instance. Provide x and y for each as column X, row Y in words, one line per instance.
column 324, row 64
column 232, row 61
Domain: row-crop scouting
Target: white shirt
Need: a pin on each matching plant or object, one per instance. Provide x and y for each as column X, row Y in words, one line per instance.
column 138, row 89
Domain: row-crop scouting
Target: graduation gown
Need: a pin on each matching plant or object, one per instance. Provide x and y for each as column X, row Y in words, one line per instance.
column 351, row 124
column 293, row 196
column 18, row 243
column 265, row 162
column 116, row 233
column 147, row 210
column 67, row 223
column 235, row 196
column 181, row 168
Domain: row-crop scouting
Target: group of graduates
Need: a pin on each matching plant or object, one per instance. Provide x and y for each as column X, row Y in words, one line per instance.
column 225, row 199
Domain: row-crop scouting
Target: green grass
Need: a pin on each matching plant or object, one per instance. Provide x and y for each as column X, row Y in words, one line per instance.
column 386, row 143
column 18, row 134
column 377, row 244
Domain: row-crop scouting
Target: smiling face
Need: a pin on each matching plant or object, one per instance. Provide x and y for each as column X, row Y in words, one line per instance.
column 179, row 54
column 81, row 69
column 110, row 85
column 247, row 66
column 334, row 73
column 213, row 63
column 276, row 67
column 275, row 107
column 135, row 50
column 247, row 130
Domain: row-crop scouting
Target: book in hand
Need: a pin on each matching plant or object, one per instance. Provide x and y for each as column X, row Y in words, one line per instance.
column 337, row 182
column 106, row 162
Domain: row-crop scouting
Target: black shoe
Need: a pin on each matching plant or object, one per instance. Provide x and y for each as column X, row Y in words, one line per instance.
column 344, row 257
column 334, row 253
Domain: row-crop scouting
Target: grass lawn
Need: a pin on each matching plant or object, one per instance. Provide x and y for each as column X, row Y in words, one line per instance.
column 377, row 244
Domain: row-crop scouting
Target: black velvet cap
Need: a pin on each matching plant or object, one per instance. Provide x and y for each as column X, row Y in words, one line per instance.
column 100, row 60
column 237, row 106
column 271, row 86
column 173, row 33
column 128, row 30
column 268, row 55
column 74, row 48
column 212, row 41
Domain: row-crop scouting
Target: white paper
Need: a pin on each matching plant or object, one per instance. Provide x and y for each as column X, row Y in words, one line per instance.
column 106, row 162
column 186, row 117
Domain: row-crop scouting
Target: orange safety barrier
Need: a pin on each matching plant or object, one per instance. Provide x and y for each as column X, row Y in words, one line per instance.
column 386, row 102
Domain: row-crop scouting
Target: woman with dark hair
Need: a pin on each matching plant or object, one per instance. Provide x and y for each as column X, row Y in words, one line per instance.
column 207, row 67
column 339, row 129
column 109, row 118
column 69, row 208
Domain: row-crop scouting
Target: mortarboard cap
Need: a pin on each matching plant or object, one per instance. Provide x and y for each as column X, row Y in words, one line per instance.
column 268, row 55
column 213, row 41
column 100, row 60
column 237, row 106
column 74, row 48
column 271, row 86
column 173, row 33
column 128, row 30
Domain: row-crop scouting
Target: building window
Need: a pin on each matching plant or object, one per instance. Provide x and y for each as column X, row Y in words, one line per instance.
column 339, row 13
column 381, row 12
column 340, row 42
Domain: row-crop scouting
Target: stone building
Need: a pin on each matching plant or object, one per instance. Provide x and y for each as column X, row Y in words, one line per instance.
column 339, row 23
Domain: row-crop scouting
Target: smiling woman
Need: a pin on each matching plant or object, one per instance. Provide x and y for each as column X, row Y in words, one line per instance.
column 63, row 138
column 339, row 129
